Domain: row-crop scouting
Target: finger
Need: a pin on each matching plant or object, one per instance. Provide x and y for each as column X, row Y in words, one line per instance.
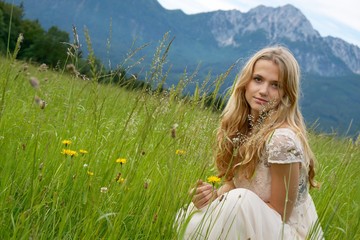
column 203, row 201
column 192, row 191
column 203, row 188
column 201, row 192
column 205, row 193
column 203, row 196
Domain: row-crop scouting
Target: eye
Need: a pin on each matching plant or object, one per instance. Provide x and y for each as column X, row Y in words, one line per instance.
column 257, row 79
column 275, row 85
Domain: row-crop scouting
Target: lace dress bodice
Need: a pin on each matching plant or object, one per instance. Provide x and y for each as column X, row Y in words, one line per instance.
column 283, row 147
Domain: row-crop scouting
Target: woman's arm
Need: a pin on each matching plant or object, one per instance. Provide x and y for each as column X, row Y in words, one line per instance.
column 284, row 188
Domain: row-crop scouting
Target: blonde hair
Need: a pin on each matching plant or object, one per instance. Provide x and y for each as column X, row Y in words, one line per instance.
column 235, row 123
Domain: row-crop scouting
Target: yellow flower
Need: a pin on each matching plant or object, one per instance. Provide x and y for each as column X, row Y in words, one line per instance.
column 121, row 161
column 90, row 173
column 120, row 180
column 213, row 179
column 82, row 151
column 66, row 142
column 69, row 152
column 180, row 152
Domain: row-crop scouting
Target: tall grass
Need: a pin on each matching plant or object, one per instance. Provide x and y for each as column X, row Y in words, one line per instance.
column 166, row 140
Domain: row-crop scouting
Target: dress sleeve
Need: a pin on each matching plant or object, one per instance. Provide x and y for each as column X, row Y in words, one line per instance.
column 284, row 148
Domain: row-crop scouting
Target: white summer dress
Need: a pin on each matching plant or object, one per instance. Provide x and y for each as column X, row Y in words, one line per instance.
column 242, row 212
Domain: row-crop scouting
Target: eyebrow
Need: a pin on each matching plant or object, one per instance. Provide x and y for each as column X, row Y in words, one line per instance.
column 260, row 76
column 257, row 75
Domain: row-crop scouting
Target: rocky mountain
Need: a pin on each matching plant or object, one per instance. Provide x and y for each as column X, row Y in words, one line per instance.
column 216, row 40
column 348, row 53
column 229, row 33
column 226, row 26
column 289, row 26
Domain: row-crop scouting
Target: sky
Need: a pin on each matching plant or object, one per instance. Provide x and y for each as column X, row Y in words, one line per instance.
column 335, row 18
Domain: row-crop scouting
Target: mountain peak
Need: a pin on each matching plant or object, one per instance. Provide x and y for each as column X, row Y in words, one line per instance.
column 227, row 25
column 286, row 22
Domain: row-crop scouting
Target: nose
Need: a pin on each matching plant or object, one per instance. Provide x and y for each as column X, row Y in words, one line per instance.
column 264, row 89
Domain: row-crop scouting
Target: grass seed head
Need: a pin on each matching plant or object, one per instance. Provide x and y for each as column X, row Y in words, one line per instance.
column 34, row 82
column 43, row 68
column 173, row 130
column 41, row 103
column 72, row 70
column 25, row 67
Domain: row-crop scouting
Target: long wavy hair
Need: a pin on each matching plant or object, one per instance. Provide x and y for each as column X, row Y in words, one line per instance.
column 250, row 141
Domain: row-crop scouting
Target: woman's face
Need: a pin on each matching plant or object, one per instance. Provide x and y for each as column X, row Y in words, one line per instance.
column 263, row 91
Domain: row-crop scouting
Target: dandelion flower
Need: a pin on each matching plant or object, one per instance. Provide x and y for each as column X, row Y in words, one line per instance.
column 117, row 176
column 73, row 153
column 82, row 151
column 104, row 189
column 90, row 173
column 121, row 161
column 68, row 152
column 213, row 179
column 66, row 142
column 180, row 152
column 121, row 180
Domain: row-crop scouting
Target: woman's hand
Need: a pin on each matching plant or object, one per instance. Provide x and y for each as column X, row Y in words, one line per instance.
column 203, row 194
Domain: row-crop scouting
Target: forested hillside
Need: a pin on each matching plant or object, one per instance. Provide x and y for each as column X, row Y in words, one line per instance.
column 39, row 45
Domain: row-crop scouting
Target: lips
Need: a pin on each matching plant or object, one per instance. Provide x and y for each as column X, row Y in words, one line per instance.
column 260, row 100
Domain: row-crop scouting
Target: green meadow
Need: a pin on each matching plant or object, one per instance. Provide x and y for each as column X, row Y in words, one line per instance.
column 83, row 160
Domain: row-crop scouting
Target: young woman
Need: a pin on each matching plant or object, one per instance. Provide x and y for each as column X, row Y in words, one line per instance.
column 264, row 159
